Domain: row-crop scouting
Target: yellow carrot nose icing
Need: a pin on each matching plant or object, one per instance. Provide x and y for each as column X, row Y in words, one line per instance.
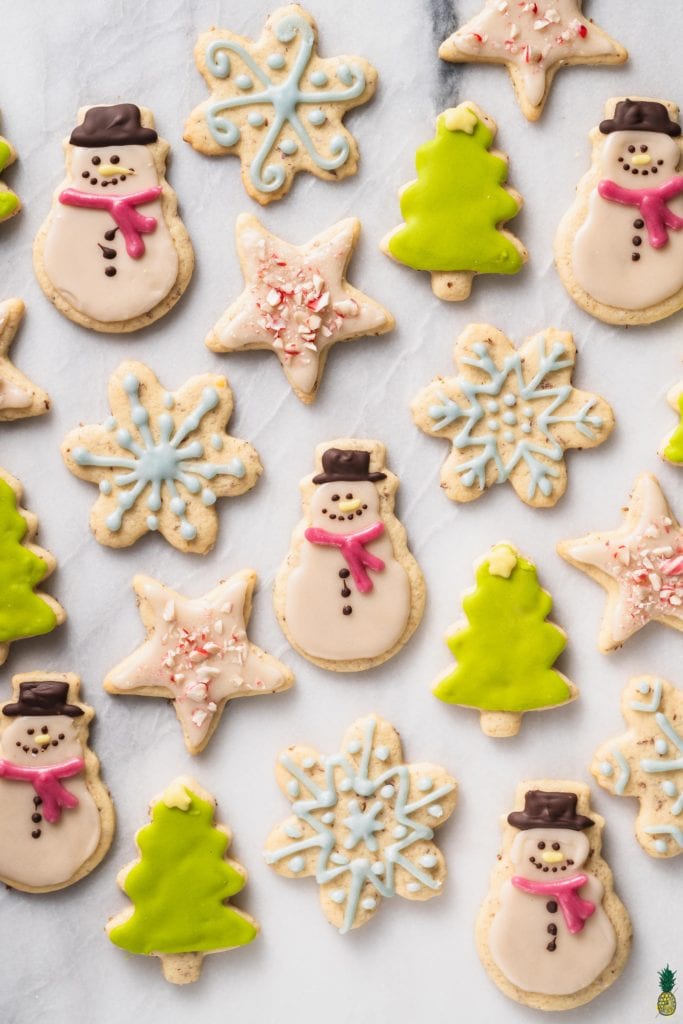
column 349, row 506
column 641, row 160
column 109, row 170
column 43, row 740
column 552, row 857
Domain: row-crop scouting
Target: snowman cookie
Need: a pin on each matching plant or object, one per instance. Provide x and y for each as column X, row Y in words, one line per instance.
column 180, row 886
column 297, row 301
column 25, row 611
column 552, row 933
column 350, row 593
column 646, row 763
column 511, row 414
column 671, row 449
column 56, row 815
column 113, row 254
column 619, row 248
column 19, row 397
column 161, row 460
column 278, row 105
column 197, row 654
column 10, row 204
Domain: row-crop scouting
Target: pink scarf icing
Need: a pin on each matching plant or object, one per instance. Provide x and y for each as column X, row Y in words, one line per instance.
column 352, row 547
column 651, row 203
column 575, row 909
column 46, row 783
column 122, row 210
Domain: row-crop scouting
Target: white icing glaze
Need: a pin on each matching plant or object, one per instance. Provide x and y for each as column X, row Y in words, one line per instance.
column 602, row 260
column 532, row 37
column 519, row 936
column 72, row 258
column 63, row 846
column 314, row 603
column 13, row 397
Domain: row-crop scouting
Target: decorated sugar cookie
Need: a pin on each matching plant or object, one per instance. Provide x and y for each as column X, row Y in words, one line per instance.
column 456, row 210
column 297, row 301
column 640, row 565
column 646, row 763
column 113, row 254
column 19, row 397
column 10, row 204
column 511, row 414
column 56, row 816
column 362, row 823
column 25, row 611
column 197, row 654
column 534, row 40
column 672, row 446
column 506, row 649
column 161, row 460
column 277, row 105
column 350, row 593
column 552, row 933
column 180, row 886
column 619, row 248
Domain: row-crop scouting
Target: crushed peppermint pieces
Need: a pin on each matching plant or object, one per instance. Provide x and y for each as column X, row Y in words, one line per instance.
column 652, row 575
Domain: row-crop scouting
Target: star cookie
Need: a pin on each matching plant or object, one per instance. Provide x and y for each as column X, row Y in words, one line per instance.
column 297, row 301
column 278, row 105
column 161, row 460
column 672, row 445
column 197, row 654
column 19, row 397
column 510, row 414
column 534, row 40
column 640, row 564
column 362, row 823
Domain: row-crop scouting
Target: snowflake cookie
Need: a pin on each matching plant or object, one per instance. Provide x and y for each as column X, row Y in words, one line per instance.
column 161, row 460
column 19, row 397
column 646, row 763
column 297, row 301
column 640, row 565
column 672, row 446
column 363, row 823
column 511, row 414
column 534, row 40
column 197, row 654
column 277, row 104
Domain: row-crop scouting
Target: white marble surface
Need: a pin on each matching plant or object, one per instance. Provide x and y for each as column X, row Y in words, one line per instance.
column 413, row 959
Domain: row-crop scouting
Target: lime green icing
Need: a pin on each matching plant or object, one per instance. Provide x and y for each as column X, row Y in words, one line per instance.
column 674, row 448
column 22, row 613
column 452, row 210
column 179, row 884
column 5, row 153
column 8, row 204
column 504, row 656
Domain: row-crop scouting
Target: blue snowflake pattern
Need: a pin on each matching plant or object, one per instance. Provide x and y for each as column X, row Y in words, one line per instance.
column 361, row 821
column 285, row 94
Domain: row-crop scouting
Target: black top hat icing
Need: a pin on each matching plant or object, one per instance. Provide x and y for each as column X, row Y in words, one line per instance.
column 118, row 125
column 341, row 464
column 549, row 810
column 640, row 116
column 48, row 697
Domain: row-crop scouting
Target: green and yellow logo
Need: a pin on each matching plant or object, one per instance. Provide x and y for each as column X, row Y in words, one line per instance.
column 666, row 1003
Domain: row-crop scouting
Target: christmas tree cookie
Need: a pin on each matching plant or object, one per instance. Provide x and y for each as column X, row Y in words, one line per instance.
column 646, row 763
column 506, row 649
column 19, row 397
column 197, row 654
column 510, row 414
column 24, row 610
column 10, row 204
column 180, row 886
column 454, row 213
column 552, row 933
column 672, row 446
column 640, row 565
column 362, row 823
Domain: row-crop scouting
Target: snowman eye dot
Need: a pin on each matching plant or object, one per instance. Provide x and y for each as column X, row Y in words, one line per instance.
column 541, row 846
column 631, row 149
column 44, row 729
column 349, row 496
column 556, row 846
column 335, row 497
column 30, row 732
column 643, row 149
column 96, row 160
column 114, row 159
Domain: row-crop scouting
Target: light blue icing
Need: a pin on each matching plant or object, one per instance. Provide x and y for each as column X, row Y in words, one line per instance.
column 317, row 117
column 319, row 78
column 387, row 791
column 293, row 787
column 428, row 860
column 152, row 522
column 285, row 95
column 509, row 418
column 291, row 830
column 606, row 769
column 288, row 147
column 169, row 400
column 255, row 119
column 216, row 442
column 328, row 817
column 157, row 460
column 379, row 870
column 354, row 747
column 436, row 810
column 661, row 746
column 413, row 886
column 382, row 753
column 110, row 423
column 296, row 864
column 653, row 704
column 369, row 903
column 425, row 784
column 665, row 830
column 105, row 487
column 337, row 895
column 308, row 762
column 624, row 772
column 244, row 82
column 492, row 406
column 510, row 400
column 446, row 411
column 508, row 436
column 669, row 788
column 661, row 845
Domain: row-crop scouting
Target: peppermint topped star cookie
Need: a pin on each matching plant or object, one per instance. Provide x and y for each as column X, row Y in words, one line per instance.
column 534, row 40
column 297, row 301
column 197, row 654
column 640, row 564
